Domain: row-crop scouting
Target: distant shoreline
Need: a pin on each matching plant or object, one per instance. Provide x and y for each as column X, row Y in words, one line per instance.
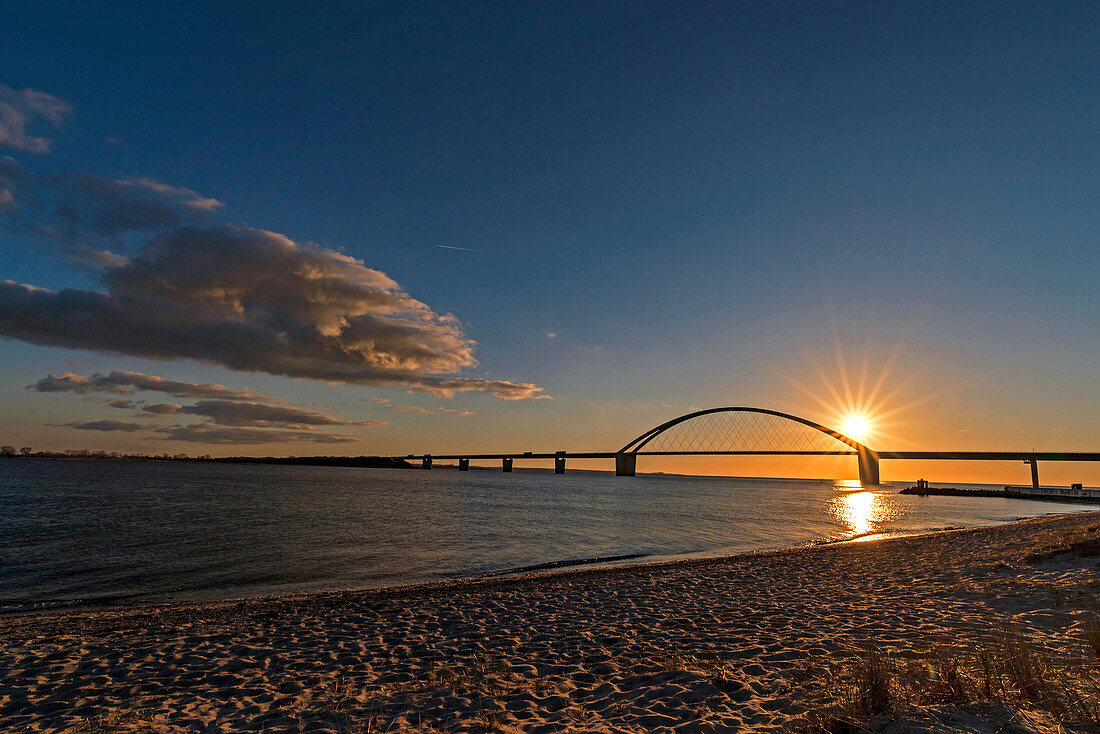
column 367, row 462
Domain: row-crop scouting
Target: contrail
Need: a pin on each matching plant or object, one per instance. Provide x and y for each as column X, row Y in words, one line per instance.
column 464, row 249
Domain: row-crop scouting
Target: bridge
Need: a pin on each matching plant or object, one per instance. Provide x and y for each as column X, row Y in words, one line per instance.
column 745, row 431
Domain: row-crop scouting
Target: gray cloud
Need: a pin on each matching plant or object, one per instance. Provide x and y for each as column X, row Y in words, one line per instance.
column 105, row 426
column 185, row 198
column 417, row 409
column 204, row 433
column 130, row 382
column 256, row 301
column 247, row 299
column 161, row 409
column 23, row 109
column 258, row 414
column 89, row 205
column 87, row 214
column 232, row 418
column 15, row 185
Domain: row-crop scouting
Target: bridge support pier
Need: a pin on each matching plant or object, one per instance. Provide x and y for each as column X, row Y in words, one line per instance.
column 464, row 465
column 868, row 467
column 426, row 462
column 625, row 464
column 1034, row 473
column 559, row 462
column 506, row 464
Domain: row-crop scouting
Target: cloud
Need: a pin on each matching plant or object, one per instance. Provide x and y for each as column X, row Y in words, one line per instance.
column 503, row 389
column 16, row 184
column 87, row 214
column 185, row 198
column 174, row 287
column 258, row 414
column 256, row 301
column 89, row 205
column 417, row 409
column 24, row 108
column 161, row 409
column 204, row 433
column 227, row 416
column 105, row 426
column 130, row 382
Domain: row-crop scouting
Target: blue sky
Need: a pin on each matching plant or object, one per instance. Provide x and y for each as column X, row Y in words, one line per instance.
column 693, row 198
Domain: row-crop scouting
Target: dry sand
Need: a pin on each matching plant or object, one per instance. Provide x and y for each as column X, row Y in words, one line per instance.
column 717, row 645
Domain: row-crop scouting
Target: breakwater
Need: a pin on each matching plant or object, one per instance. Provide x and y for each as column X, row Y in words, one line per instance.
column 1075, row 493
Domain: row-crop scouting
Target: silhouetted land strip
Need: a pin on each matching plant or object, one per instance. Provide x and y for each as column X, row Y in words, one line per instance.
column 952, row 492
column 369, row 462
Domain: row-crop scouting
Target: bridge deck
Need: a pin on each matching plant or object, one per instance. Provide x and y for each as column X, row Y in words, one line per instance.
column 949, row 455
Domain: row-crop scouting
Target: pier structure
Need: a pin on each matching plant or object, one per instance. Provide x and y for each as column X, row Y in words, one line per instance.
column 746, row 431
column 1034, row 473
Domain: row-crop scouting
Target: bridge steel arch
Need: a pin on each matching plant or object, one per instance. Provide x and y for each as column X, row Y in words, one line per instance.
column 626, row 458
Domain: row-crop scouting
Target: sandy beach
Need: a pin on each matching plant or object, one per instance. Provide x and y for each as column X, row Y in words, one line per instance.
column 746, row 643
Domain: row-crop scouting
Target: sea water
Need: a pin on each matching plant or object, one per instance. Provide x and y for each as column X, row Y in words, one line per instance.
column 87, row 533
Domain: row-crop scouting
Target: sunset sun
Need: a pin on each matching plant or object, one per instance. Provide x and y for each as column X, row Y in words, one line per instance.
column 855, row 426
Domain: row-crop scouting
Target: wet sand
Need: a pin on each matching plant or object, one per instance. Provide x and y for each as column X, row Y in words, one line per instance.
column 724, row 644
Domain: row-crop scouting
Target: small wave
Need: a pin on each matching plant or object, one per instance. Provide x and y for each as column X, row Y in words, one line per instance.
column 880, row 534
column 14, row 608
column 566, row 564
column 846, row 538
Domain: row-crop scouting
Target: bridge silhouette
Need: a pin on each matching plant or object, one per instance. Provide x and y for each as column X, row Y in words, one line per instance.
column 745, row 431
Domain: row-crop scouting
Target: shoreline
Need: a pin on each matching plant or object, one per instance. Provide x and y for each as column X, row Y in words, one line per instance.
column 736, row 643
column 534, row 572
column 493, row 579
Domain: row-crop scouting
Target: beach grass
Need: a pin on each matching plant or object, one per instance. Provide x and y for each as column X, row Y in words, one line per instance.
column 1010, row 669
column 1081, row 543
column 1090, row 628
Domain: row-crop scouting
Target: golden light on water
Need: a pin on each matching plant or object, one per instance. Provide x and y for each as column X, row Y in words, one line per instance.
column 865, row 514
column 856, row 510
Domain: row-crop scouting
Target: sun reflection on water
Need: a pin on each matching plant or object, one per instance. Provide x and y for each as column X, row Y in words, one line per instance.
column 862, row 512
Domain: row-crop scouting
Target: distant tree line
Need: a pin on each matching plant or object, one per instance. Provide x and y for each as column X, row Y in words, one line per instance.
column 378, row 462
column 29, row 453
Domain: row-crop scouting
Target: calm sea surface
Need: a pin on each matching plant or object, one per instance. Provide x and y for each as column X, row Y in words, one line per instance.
column 76, row 533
